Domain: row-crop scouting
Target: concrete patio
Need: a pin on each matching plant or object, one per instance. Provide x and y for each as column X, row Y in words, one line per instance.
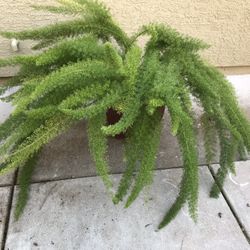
column 69, row 208
column 78, row 214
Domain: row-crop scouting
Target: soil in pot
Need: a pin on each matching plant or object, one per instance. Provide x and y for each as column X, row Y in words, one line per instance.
column 113, row 116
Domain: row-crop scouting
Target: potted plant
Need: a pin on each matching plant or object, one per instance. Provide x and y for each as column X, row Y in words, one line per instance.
column 88, row 66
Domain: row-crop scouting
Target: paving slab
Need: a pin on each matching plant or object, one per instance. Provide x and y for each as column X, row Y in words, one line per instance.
column 4, row 201
column 78, row 214
column 7, row 179
column 67, row 156
column 237, row 191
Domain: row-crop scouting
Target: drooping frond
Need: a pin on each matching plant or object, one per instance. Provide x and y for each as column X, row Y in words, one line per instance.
column 166, row 38
column 17, row 60
column 64, row 29
column 69, row 78
column 151, row 134
column 33, row 143
column 86, row 47
column 228, row 150
column 24, row 179
column 10, row 125
column 98, row 147
column 210, row 142
column 166, row 87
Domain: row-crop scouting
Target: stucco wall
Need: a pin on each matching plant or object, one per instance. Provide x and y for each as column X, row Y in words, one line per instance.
column 225, row 24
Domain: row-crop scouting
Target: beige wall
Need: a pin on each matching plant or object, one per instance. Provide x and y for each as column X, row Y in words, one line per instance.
column 225, row 24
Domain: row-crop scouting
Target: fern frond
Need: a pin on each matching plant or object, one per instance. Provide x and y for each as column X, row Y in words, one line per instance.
column 72, row 50
column 189, row 184
column 17, row 60
column 164, row 87
column 151, row 134
column 209, row 135
column 54, row 9
column 44, row 43
column 177, row 206
column 133, row 145
column 228, row 150
column 98, row 147
column 33, row 143
column 69, row 78
column 85, row 96
column 93, row 108
column 163, row 36
column 64, row 29
column 24, row 179
column 10, row 125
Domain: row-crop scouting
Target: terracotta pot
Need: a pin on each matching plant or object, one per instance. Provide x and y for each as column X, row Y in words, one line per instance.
column 114, row 116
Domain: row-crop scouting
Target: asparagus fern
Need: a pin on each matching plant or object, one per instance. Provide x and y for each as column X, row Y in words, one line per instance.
column 89, row 65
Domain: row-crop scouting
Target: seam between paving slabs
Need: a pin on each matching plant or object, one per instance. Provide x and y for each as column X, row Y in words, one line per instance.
column 6, row 185
column 244, row 231
column 95, row 175
column 9, row 206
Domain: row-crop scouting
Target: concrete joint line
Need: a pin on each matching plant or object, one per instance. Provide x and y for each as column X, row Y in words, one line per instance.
column 230, row 206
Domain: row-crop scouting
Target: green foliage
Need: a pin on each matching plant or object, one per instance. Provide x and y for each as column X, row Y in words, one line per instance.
column 89, row 65
column 24, row 179
column 228, row 150
column 210, row 141
column 98, row 147
column 150, row 133
column 32, row 144
column 131, row 65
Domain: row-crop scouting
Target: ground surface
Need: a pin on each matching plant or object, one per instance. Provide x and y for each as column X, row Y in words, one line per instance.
column 69, row 208
column 78, row 214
